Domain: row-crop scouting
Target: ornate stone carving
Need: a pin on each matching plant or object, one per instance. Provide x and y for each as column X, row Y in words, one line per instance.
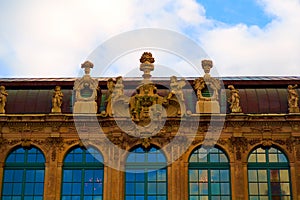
column 266, row 127
column 175, row 101
column 26, row 143
column 57, row 100
column 147, row 66
column 110, row 89
column 298, row 154
column 119, row 102
column 3, row 99
column 145, row 105
column 146, row 143
column 293, row 99
column 266, row 143
column 85, row 90
column 207, row 91
column 239, row 145
column 234, row 100
column 289, row 142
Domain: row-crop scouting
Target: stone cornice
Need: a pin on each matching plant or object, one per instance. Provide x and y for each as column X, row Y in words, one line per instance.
column 32, row 122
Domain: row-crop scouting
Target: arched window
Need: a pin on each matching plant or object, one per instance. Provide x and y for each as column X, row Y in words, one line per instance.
column 146, row 175
column 209, row 176
column 24, row 175
column 268, row 174
column 82, row 175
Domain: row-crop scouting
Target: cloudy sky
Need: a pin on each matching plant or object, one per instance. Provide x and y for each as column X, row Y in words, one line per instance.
column 40, row 38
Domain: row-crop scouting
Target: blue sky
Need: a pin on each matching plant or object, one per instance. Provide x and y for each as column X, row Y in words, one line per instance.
column 233, row 12
column 243, row 37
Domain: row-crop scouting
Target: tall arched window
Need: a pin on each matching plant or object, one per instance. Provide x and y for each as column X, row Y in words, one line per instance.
column 209, row 176
column 268, row 174
column 82, row 175
column 24, row 175
column 146, row 175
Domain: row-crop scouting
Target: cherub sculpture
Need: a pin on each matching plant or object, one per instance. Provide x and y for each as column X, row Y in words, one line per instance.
column 118, row 90
column 3, row 99
column 234, row 100
column 110, row 88
column 293, row 99
column 57, row 100
column 176, row 88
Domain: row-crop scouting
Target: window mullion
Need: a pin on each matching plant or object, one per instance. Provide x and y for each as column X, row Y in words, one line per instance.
column 23, row 184
column 146, row 184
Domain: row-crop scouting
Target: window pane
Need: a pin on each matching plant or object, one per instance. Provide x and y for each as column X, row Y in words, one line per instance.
column 252, row 175
column 284, row 175
column 261, row 158
column 262, row 175
column 85, row 181
column 141, row 181
column 253, row 188
column 194, row 188
column 271, row 182
column 212, row 180
column 24, row 174
column 263, row 188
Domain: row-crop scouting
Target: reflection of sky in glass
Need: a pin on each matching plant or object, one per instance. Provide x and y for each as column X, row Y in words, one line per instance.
column 208, row 174
column 268, row 174
column 24, row 174
column 140, row 181
column 83, row 174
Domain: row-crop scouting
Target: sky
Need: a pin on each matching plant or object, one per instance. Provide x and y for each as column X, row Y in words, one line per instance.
column 43, row 38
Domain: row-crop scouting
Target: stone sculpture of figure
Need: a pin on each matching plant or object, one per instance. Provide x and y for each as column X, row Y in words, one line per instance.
column 206, row 65
column 57, row 100
column 118, row 91
column 85, row 89
column 293, row 99
column 176, row 88
column 110, row 88
column 3, row 99
column 207, row 90
column 234, row 100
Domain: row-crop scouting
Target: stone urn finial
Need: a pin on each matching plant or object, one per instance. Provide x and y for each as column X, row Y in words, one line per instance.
column 147, row 66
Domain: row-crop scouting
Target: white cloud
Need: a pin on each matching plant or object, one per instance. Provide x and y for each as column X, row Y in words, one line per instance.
column 245, row 50
column 52, row 38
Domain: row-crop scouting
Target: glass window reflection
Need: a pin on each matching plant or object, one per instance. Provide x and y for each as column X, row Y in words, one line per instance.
column 268, row 178
column 209, row 174
column 24, row 174
column 83, row 175
column 146, row 175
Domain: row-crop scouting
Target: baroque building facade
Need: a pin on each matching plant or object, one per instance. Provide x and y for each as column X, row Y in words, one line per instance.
column 144, row 138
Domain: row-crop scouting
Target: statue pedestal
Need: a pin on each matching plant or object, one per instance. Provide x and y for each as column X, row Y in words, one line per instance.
column 207, row 107
column 294, row 110
column 85, row 107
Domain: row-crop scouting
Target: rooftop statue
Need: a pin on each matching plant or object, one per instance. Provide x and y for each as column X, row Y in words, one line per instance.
column 147, row 58
column 142, row 104
column 207, row 89
column 85, row 89
column 117, row 102
column 175, row 100
column 110, row 89
column 293, row 99
column 57, row 100
column 147, row 66
column 3, row 99
column 234, row 100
